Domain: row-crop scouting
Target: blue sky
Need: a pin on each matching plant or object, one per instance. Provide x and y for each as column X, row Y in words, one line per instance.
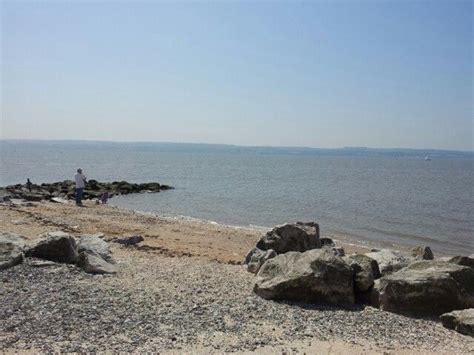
column 318, row 74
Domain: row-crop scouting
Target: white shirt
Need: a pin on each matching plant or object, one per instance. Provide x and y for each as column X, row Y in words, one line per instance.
column 80, row 178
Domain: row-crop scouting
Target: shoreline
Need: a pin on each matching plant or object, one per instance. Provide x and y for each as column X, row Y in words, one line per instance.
column 351, row 240
column 251, row 232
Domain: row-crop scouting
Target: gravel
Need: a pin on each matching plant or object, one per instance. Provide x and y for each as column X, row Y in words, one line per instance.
column 158, row 304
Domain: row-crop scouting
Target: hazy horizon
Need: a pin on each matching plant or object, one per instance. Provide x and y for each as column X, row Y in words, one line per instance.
column 230, row 145
column 327, row 75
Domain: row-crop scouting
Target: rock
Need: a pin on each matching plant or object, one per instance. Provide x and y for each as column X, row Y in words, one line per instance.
column 327, row 242
column 55, row 246
column 41, row 263
column 4, row 197
column 313, row 276
column 422, row 253
column 463, row 260
column 95, row 246
column 256, row 257
column 93, row 264
column 32, row 196
column 11, row 250
column 166, row 187
column 373, row 295
column 21, row 203
column 291, row 237
column 59, row 200
column 366, row 271
column 461, row 321
column 428, row 287
column 12, row 238
column 128, row 241
column 389, row 261
column 95, row 235
column 337, row 251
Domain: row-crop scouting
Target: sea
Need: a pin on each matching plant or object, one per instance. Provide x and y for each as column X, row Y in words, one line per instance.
column 379, row 196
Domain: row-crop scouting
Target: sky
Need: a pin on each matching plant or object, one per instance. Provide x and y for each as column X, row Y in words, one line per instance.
column 328, row 74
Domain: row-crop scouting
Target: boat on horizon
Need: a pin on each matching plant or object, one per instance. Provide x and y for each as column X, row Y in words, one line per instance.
column 427, row 158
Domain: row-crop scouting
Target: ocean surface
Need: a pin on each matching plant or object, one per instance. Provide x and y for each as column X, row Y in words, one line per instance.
column 382, row 196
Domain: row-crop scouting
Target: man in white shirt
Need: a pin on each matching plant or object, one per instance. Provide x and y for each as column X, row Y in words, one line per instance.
column 80, row 184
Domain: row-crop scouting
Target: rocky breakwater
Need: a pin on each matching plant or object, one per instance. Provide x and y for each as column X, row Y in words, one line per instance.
column 291, row 263
column 66, row 190
column 89, row 252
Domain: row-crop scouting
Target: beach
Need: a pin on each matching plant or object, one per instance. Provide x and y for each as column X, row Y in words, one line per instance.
column 182, row 290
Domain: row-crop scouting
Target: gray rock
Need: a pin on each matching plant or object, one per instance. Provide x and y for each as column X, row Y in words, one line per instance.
column 463, row 260
column 11, row 250
column 5, row 197
column 291, row 237
column 313, row 276
column 422, row 253
column 21, row 203
column 256, row 258
column 12, row 238
column 93, row 264
column 128, row 241
column 59, row 200
column 373, row 295
column 336, row 251
column 95, row 246
column 428, row 287
column 327, row 242
column 389, row 261
column 55, row 246
column 41, row 263
column 461, row 321
column 32, row 196
column 366, row 271
column 96, row 235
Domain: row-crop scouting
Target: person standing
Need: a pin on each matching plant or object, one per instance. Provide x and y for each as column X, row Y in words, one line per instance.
column 104, row 197
column 80, row 184
column 28, row 184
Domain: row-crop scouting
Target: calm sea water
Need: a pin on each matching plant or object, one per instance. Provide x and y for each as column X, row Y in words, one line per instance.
column 385, row 199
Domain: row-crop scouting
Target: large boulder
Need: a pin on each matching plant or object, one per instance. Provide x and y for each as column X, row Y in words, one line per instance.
column 313, row 276
column 95, row 246
column 94, row 264
column 55, row 246
column 366, row 271
column 291, row 237
column 389, row 260
column 461, row 321
column 256, row 257
column 428, row 287
column 11, row 250
column 288, row 237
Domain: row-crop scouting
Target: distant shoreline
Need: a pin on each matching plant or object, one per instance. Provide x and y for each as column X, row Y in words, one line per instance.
column 269, row 149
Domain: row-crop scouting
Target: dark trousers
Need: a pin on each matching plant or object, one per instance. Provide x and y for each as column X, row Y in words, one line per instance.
column 79, row 193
